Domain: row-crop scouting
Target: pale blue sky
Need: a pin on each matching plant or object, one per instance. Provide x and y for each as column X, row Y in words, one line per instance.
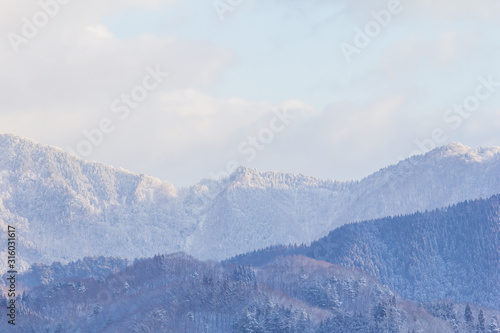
column 280, row 52
column 228, row 76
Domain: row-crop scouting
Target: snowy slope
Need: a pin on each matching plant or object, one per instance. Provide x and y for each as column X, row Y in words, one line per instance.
column 177, row 293
column 448, row 253
column 275, row 208
column 65, row 208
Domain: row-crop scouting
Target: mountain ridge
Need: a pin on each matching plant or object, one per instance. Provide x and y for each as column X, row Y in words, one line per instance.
column 55, row 199
column 448, row 253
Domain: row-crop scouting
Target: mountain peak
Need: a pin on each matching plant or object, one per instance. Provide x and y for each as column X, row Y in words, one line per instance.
column 456, row 147
column 8, row 139
column 459, row 150
column 244, row 171
column 44, row 190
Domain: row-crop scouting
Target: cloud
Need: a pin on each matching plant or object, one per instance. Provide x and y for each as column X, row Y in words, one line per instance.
column 184, row 134
column 77, row 67
column 226, row 78
column 442, row 10
column 101, row 31
column 68, row 76
column 448, row 9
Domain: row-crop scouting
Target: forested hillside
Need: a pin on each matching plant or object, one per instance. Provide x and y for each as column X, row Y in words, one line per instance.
column 451, row 253
column 177, row 293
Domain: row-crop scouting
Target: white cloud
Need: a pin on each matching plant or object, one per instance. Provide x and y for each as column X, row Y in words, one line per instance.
column 182, row 135
column 101, row 31
column 448, row 9
column 69, row 74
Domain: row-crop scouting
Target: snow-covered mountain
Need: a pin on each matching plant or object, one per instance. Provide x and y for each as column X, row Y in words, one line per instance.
column 65, row 208
column 449, row 253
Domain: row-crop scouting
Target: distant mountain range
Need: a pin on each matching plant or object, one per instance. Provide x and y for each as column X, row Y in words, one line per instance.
column 176, row 293
column 66, row 208
column 425, row 259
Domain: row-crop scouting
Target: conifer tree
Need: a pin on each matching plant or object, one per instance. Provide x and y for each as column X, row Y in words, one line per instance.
column 493, row 328
column 481, row 328
column 469, row 318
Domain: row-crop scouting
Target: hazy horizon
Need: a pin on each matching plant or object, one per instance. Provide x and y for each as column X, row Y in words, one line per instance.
column 180, row 89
